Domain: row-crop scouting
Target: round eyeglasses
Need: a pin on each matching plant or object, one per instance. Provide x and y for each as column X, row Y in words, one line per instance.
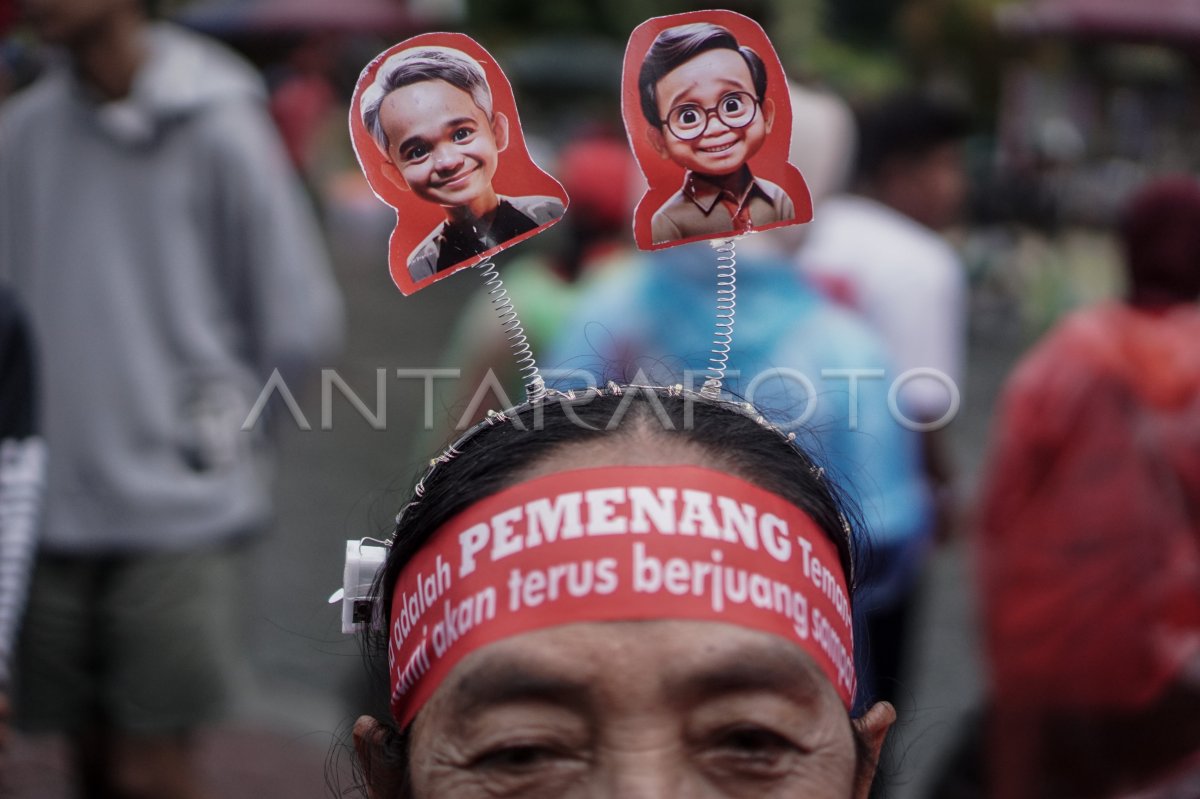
column 688, row 121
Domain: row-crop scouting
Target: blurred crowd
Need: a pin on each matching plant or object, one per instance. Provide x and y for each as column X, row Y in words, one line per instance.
column 987, row 336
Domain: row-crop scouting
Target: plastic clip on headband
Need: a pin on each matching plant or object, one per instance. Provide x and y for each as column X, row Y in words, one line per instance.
column 364, row 559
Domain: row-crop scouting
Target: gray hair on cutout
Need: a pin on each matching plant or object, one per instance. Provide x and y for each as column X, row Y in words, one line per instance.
column 420, row 64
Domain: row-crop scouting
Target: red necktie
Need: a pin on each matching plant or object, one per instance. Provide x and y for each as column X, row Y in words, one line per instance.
column 739, row 216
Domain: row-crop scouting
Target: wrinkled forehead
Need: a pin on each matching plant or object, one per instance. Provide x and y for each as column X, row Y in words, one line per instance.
column 609, row 669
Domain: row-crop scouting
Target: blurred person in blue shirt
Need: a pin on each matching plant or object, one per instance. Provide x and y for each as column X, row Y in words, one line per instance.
column 809, row 366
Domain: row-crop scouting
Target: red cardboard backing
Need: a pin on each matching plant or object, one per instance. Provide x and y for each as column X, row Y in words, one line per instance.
column 666, row 177
column 531, row 191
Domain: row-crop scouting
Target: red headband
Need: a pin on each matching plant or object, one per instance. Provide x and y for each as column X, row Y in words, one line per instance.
column 617, row 544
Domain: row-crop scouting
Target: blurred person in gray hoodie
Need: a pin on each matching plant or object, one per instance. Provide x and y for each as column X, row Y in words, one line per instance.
column 22, row 474
column 152, row 226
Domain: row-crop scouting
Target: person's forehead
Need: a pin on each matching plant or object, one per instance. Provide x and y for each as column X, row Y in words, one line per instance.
column 427, row 102
column 585, row 665
column 648, row 450
column 712, row 71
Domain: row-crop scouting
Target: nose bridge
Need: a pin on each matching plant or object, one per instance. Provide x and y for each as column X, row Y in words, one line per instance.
column 654, row 773
column 713, row 117
column 446, row 154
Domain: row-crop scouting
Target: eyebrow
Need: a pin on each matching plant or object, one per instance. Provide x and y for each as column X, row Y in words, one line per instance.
column 409, row 142
column 774, row 668
column 730, row 83
column 453, row 123
column 506, row 681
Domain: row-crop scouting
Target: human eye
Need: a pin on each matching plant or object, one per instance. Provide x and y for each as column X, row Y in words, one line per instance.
column 752, row 750
column 518, row 757
column 414, row 152
column 688, row 116
column 535, row 764
column 754, row 741
column 737, row 106
column 462, row 134
column 537, row 767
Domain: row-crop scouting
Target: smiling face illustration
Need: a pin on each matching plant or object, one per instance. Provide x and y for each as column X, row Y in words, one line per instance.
column 707, row 110
column 437, row 134
column 443, row 144
column 712, row 119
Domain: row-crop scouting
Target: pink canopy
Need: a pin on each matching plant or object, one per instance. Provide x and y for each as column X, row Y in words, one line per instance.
column 1154, row 20
column 283, row 16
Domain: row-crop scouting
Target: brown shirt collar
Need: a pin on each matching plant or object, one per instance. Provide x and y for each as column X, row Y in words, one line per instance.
column 706, row 194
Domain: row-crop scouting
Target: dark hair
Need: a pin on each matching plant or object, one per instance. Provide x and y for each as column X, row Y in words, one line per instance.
column 1160, row 230
column 682, row 43
column 492, row 459
column 906, row 126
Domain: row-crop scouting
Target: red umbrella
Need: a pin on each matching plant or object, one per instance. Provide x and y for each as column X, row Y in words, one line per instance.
column 1128, row 20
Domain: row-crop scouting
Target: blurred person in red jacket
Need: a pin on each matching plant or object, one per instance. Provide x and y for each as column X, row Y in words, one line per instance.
column 1090, row 542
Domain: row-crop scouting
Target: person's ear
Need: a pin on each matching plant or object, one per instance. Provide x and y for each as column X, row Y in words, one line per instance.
column 768, row 110
column 393, row 176
column 657, row 142
column 500, row 131
column 384, row 777
column 872, row 729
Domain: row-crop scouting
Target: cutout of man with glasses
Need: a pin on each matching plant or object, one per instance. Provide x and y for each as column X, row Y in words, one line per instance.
column 705, row 99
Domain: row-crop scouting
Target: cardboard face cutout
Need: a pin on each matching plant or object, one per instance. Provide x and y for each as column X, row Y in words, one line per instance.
column 436, row 131
column 708, row 115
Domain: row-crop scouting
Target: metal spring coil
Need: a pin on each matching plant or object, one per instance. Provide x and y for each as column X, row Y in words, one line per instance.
column 726, row 304
column 535, row 386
